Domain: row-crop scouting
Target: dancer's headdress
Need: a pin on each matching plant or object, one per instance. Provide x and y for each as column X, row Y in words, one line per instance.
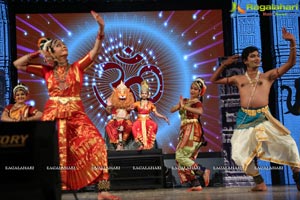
column 47, row 46
column 44, row 43
column 199, row 82
column 22, row 87
column 122, row 86
column 145, row 88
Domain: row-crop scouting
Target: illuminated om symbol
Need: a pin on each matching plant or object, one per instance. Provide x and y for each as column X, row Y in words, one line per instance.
column 134, row 79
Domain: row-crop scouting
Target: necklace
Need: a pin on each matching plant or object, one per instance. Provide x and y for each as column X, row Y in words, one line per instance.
column 63, row 63
column 254, row 81
column 144, row 104
column 17, row 106
column 60, row 74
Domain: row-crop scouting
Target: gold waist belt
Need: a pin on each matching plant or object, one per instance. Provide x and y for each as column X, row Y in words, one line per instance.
column 196, row 138
column 65, row 100
column 253, row 112
column 187, row 121
column 117, row 117
column 143, row 116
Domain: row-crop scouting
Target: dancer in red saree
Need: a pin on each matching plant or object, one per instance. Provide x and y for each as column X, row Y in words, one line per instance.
column 83, row 156
column 20, row 110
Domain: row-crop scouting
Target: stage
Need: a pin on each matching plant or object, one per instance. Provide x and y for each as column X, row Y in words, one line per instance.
column 134, row 175
column 210, row 193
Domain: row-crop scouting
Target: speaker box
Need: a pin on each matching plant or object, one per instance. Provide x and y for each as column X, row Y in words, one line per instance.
column 133, row 169
column 27, row 150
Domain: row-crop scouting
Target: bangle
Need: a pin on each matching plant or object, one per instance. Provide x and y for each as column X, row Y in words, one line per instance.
column 103, row 185
column 28, row 57
column 294, row 47
column 223, row 65
column 32, row 55
column 100, row 36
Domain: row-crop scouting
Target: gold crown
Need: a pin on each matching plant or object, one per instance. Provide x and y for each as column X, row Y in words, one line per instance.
column 144, row 86
column 121, row 86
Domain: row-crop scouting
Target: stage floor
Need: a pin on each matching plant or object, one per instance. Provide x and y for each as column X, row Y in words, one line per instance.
column 218, row 193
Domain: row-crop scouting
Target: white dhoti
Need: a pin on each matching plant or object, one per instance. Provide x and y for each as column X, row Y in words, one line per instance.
column 265, row 138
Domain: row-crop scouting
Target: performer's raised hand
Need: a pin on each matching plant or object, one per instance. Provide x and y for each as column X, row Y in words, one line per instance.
column 181, row 101
column 230, row 60
column 287, row 35
column 100, row 36
column 99, row 20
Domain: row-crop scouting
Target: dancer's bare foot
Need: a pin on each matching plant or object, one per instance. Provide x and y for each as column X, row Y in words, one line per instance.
column 107, row 196
column 206, row 176
column 140, row 148
column 259, row 187
column 197, row 188
column 120, row 147
column 296, row 177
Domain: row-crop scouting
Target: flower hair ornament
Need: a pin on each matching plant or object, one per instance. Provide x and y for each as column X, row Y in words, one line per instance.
column 44, row 44
column 201, row 85
column 22, row 87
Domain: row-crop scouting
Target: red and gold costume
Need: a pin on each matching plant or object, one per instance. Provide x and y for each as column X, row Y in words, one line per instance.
column 190, row 138
column 23, row 112
column 119, row 127
column 144, row 129
column 113, row 126
column 82, row 150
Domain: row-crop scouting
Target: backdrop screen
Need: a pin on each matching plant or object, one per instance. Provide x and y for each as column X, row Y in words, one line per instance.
column 167, row 48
